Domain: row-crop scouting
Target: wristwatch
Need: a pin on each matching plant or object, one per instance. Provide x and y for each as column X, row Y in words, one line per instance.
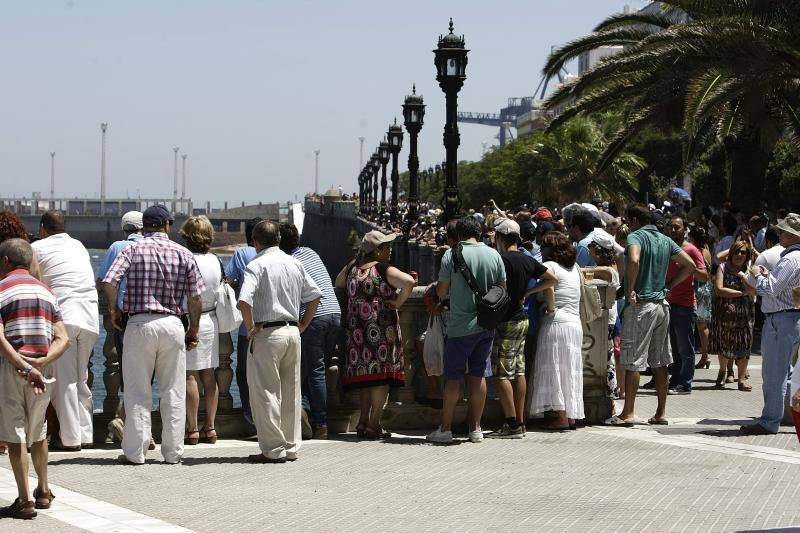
column 28, row 370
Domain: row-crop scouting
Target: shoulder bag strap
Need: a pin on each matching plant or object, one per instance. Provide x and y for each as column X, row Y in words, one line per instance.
column 461, row 266
column 221, row 269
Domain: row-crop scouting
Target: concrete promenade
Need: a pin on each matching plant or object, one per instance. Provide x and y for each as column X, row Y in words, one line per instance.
column 697, row 474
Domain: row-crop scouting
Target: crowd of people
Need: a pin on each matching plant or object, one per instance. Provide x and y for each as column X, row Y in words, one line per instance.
column 511, row 302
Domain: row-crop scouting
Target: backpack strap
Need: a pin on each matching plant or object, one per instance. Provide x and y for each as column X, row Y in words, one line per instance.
column 461, row 267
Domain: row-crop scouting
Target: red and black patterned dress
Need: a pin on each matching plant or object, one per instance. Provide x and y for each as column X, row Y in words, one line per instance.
column 374, row 345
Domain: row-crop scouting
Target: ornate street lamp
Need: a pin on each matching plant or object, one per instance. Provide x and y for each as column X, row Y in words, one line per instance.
column 383, row 157
column 362, row 187
column 395, row 136
column 450, row 58
column 413, row 114
column 375, row 163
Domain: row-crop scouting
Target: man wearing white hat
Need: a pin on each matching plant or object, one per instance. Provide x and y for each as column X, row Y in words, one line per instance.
column 780, row 334
column 66, row 269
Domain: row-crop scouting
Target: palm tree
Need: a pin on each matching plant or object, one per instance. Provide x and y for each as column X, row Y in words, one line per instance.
column 566, row 159
column 717, row 70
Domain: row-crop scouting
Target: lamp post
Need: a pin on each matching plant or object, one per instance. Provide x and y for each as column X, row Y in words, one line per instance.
column 450, row 58
column 375, row 164
column 395, row 136
column 383, row 157
column 361, row 191
column 413, row 114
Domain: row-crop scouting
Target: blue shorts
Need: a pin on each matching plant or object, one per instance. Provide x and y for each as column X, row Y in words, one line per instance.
column 470, row 354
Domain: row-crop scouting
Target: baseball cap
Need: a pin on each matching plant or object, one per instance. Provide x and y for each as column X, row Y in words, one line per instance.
column 544, row 227
column 374, row 239
column 132, row 220
column 156, row 216
column 603, row 239
column 506, row 226
column 543, row 214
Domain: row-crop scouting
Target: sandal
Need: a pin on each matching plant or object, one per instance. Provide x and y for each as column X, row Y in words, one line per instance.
column 210, row 439
column 361, row 430
column 745, row 386
column 376, row 434
column 192, row 441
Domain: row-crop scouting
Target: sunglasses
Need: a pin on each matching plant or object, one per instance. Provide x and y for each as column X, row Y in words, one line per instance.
column 741, row 252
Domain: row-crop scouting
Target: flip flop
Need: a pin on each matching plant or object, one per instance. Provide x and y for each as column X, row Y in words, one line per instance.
column 653, row 421
column 617, row 421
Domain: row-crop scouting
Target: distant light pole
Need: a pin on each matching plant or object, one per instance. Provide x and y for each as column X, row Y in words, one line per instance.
column 103, row 128
column 413, row 114
column 361, row 152
column 175, row 179
column 183, row 182
column 316, row 172
column 52, row 180
column 395, row 136
column 450, row 58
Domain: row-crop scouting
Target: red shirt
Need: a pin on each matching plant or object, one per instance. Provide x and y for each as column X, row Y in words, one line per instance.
column 683, row 293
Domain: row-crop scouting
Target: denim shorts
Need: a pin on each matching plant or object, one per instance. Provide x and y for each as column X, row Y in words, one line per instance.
column 470, row 354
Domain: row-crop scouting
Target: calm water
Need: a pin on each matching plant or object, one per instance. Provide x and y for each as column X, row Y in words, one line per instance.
column 98, row 360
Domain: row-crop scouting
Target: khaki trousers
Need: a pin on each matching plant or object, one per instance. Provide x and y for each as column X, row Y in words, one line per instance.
column 71, row 396
column 154, row 342
column 273, row 376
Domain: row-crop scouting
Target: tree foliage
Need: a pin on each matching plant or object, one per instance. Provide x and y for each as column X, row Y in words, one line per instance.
column 715, row 71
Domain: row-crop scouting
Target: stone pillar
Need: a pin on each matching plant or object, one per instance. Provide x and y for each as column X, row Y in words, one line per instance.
column 413, row 256
column 425, row 264
column 597, row 404
column 224, row 374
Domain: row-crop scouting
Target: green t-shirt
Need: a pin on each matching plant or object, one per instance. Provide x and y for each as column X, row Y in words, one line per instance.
column 656, row 251
column 486, row 266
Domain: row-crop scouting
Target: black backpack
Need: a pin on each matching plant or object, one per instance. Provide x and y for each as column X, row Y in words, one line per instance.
column 492, row 304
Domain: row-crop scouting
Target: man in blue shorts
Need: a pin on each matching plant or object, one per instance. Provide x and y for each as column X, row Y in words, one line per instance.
column 468, row 347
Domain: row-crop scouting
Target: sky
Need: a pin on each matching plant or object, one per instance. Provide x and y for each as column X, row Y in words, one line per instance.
column 249, row 89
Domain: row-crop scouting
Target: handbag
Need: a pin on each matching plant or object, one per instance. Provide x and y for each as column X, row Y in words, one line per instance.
column 493, row 304
column 433, row 349
column 591, row 307
column 229, row 318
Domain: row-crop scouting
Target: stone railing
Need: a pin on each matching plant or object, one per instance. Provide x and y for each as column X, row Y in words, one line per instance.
column 404, row 410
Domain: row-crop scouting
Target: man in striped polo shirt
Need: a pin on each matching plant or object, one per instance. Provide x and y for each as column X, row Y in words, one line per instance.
column 318, row 339
column 32, row 336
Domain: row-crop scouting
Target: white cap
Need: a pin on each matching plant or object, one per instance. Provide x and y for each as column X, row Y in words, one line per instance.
column 132, row 220
column 603, row 239
column 506, row 226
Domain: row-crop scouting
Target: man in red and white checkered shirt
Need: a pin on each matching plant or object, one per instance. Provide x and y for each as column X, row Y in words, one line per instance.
column 161, row 274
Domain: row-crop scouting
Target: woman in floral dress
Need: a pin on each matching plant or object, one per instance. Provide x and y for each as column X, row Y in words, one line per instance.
column 374, row 347
column 734, row 314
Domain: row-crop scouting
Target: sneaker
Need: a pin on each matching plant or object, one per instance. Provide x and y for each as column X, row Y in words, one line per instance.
column 19, row 509
column 679, row 390
column 440, row 437
column 476, row 436
column 506, row 432
column 650, row 384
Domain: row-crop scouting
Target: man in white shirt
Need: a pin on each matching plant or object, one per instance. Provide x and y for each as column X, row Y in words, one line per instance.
column 772, row 250
column 274, row 286
column 67, row 269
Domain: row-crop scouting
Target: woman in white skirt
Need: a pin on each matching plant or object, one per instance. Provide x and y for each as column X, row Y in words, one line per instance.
column 201, row 362
column 558, row 370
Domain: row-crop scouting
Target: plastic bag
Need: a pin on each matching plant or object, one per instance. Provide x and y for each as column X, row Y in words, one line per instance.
column 433, row 351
